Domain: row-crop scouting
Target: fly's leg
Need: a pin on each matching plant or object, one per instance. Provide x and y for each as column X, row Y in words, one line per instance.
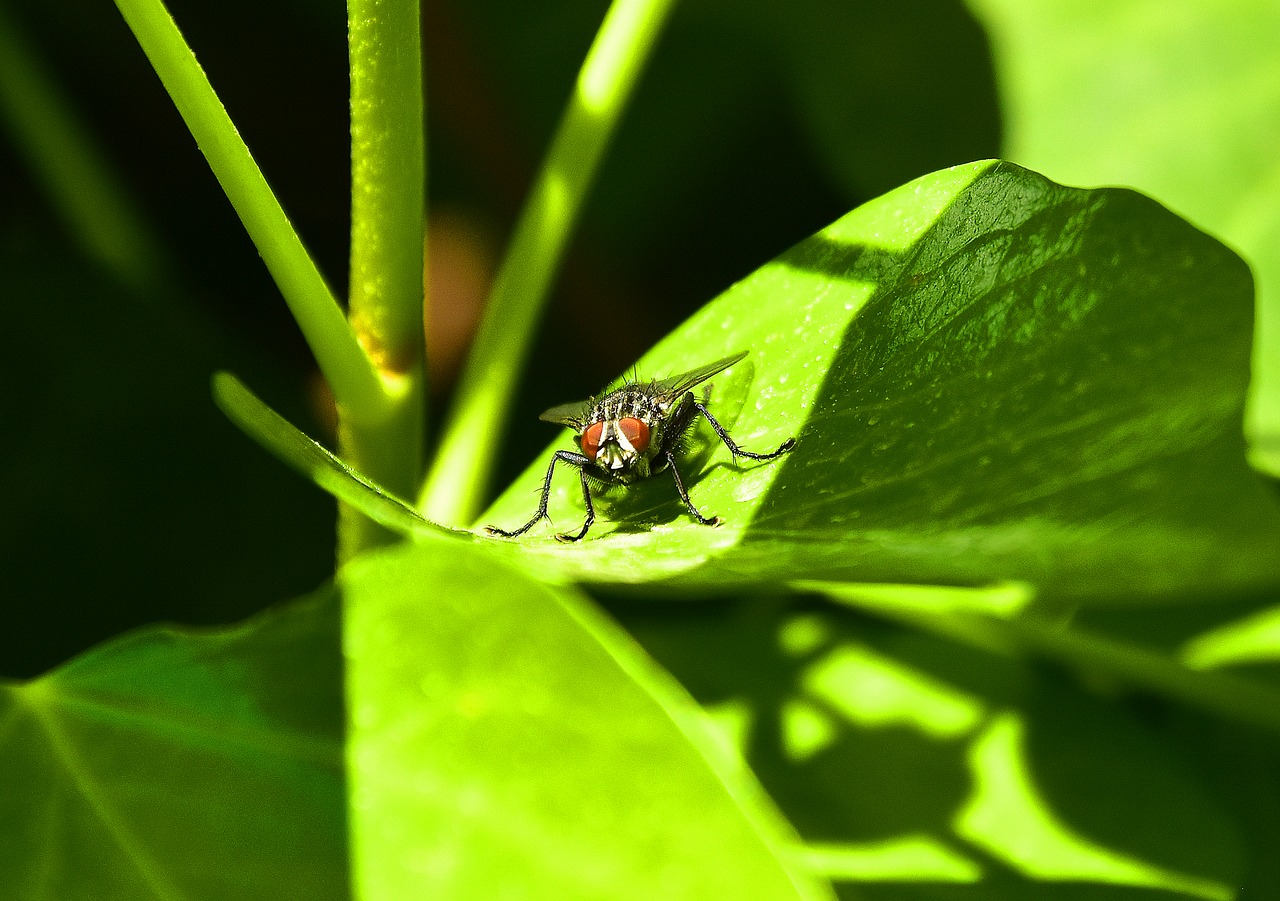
column 586, row 501
column 573, row 460
column 684, row 495
column 733, row 447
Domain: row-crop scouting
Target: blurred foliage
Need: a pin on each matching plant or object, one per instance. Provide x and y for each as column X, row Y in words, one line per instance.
column 921, row 743
column 687, row 202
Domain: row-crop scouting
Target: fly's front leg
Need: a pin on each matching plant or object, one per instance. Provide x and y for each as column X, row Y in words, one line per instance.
column 573, row 460
column 732, row 445
column 684, row 495
column 586, row 500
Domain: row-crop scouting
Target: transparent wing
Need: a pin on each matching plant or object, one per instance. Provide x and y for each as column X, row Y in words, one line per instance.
column 671, row 388
column 575, row 414
column 571, row 414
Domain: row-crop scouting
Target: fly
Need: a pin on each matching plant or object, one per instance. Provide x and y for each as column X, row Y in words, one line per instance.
column 631, row 433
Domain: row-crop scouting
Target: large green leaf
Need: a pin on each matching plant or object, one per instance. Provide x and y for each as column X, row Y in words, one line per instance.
column 991, row 377
column 1179, row 101
column 176, row 764
column 508, row 740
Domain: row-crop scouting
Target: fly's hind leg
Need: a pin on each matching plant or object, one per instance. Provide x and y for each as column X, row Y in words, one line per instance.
column 733, row 446
column 684, row 495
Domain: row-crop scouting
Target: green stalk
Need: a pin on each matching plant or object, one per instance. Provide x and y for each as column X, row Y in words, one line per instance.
column 459, row 479
column 357, row 386
column 386, row 291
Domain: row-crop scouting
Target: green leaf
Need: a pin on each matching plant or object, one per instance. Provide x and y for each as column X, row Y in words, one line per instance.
column 313, row 460
column 991, row 377
column 176, row 764
column 508, row 740
column 1179, row 102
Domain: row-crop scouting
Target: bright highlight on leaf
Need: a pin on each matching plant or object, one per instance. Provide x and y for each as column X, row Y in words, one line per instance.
column 1254, row 639
column 908, row 859
column 871, row 691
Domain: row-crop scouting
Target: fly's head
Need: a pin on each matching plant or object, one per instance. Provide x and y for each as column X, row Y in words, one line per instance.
column 623, row 432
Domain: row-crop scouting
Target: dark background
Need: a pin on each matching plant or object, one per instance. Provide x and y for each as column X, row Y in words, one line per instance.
column 128, row 498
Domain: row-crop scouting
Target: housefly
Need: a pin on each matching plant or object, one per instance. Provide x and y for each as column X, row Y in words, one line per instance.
column 631, row 433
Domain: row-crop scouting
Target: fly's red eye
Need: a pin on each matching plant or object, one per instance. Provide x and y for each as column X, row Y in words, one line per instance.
column 636, row 432
column 591, row 440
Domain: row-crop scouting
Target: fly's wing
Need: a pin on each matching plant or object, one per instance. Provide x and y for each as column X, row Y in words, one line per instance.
column 572, row 414
column 575, row 414
column 669, row 389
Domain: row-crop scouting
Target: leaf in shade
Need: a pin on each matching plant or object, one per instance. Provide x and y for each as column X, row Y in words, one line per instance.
column 173, row 763
column 1180, row 104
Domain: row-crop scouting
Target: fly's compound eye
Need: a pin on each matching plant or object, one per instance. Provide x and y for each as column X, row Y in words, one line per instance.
column 636, row 431
column 591, row 440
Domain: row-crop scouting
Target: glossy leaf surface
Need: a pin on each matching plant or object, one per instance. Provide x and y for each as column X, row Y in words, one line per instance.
column 1179, row 103
column 990, row 377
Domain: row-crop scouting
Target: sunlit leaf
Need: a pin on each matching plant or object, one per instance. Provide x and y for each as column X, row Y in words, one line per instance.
column 991, row 377
column 508, row 740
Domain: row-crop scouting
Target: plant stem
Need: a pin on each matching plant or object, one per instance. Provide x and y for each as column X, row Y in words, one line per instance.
column 386, row 291
column 459, row 479
column 357, row 386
